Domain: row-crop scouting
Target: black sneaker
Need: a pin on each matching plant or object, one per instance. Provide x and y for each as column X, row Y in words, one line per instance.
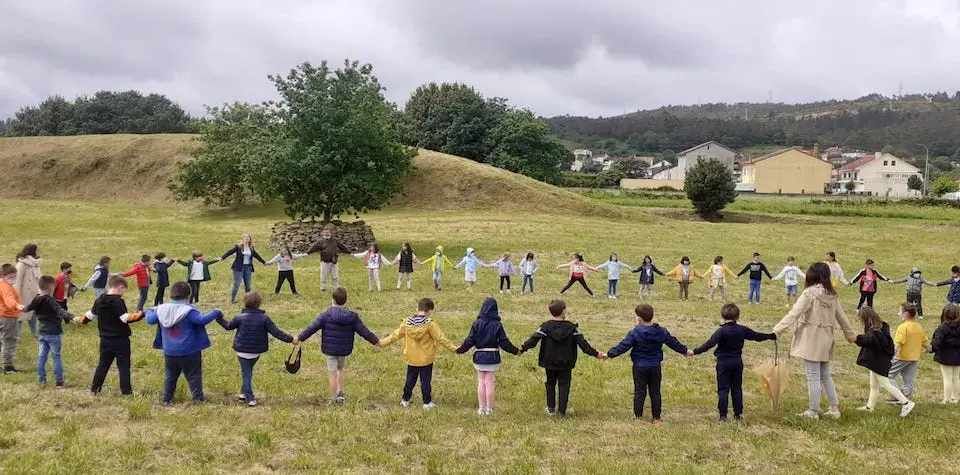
column 10, row 370
column 59, row 385
column 738, row 418
column 722, row 419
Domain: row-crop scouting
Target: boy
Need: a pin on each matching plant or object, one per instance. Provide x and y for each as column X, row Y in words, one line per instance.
column 645, row 343
column 915, row 283
column 198, row 270
column 50, row 316
column 182, row 337
column 868, row 277
column 953, row 296
column 791, row 275
column 336, row 340
column 756, row 269
column 10, row 309
column 113, row 324
column 64, row 284
column 729, row 340
column 909, row 342
column 142, row 271
column 101, row 273
column 420, row 337
column 558, row 354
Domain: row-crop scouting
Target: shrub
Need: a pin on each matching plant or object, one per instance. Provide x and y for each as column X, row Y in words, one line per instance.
column 710, row 187
column 610, row 178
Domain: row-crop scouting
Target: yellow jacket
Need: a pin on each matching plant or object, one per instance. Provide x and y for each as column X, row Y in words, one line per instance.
column 438, row 261
column 910, row 341
column 420, row 337
column 678, row 273
column 717, row 274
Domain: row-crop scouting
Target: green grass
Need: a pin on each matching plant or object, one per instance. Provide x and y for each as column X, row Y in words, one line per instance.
column 43, row 430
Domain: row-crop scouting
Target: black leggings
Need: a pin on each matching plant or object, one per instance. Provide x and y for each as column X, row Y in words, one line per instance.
column 582, row 282
column 286, row 275
column 866, row 297
column 504, row 278
column 159, row 299
column 195, row 291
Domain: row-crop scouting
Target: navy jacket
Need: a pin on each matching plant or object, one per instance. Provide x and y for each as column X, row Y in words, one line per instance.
column 876, row 350
column 238, row 257
column 252, row 327
column 945, row 344
column 338, row 325
column 487, row 334
column 646, row 345
column 162, row 268
column 729, row 340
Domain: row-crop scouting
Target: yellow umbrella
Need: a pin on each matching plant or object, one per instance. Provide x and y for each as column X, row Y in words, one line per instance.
column 774, row 377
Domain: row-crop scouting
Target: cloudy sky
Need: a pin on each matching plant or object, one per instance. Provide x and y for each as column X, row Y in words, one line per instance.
column 578, row 57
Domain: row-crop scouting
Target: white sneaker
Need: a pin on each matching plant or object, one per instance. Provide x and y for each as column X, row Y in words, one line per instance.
column 549, row 411
column 404, row 403
column 810, row 414
column 501, row 292
column 252, row 403
column 482, row 411
column 429, row 406
column 241, row 397
column 613, row 297
column 509, row 292
column 832, row 414
column 489, row 411
column 865, row 409
column 907, row 409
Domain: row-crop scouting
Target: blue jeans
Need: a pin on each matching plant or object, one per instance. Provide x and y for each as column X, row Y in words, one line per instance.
column 437, row 279
column 754, row 291
column 49, row 344
column 819, row 378
column 612, row 287
column 246, row 377
column 192, row 368
column 246, row 275
column 32, row 323
column 526, row 279
column 143, row 298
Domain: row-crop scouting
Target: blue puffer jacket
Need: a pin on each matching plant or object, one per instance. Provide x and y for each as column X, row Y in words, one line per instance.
column 182, row 329
column 646, row 345
column 488, row 336
column 252, row 327
column 338, row 325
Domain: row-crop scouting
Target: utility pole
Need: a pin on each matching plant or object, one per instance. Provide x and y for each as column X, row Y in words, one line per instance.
column 926, row 167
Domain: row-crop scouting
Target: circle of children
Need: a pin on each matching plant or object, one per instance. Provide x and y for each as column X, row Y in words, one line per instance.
column 42, row 301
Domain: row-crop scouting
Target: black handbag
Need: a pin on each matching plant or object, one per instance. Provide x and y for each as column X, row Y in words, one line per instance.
column 293, row 366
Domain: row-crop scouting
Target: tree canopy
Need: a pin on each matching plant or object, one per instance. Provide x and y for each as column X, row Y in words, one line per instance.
column 710, row 187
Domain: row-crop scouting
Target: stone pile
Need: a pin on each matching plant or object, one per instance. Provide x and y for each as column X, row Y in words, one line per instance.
column 299, row 236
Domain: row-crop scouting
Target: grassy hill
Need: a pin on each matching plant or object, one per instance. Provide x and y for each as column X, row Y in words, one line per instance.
column 136, row 168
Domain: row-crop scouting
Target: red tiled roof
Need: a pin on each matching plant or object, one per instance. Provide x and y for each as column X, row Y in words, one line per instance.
column 858, row 162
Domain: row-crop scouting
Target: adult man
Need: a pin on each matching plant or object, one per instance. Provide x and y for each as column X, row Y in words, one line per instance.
column 329, row 248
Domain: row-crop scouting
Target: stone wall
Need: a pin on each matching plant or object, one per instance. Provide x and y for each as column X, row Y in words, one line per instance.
column 299, row 236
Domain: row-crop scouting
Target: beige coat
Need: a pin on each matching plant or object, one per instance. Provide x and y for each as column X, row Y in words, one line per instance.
column 28, row 282
column 813, row 320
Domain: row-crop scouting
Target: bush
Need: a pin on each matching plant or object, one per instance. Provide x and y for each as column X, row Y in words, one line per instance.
column 578, row 180
column 710, row 187
column 610, row 178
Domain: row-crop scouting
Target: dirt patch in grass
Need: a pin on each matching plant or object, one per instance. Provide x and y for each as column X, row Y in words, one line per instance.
column 734, row 218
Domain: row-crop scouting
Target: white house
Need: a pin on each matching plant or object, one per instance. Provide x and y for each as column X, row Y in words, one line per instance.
column 582, row 154
column 688, row 158
column 880, row 174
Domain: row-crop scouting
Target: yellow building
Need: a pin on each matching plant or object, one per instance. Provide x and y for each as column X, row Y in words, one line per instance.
column 789, row 171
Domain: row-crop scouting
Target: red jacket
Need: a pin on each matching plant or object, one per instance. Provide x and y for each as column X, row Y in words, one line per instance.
column 143, row 274
column 60, row 291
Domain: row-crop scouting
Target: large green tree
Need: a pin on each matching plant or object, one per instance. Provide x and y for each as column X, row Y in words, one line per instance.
column 943, row 185
column 710, row 187
column 520, row 143
column 451, row 118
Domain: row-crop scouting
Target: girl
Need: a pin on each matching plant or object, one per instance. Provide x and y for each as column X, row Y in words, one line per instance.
column 242, row 266
column 161, row 267
column 791, row 275
column 647, row 270
column 405, row 260
column 284, row 261
column 613, row 266
column 506, row 269
column 470, row 264
column 578, row 273
column 101, row 272
column 488, row 336
column 439, row 263
column 718, row 278
column 836, row 273
column 867, row 277
column 813, row 320
column 528, row 267
column 198, row 270
column 876, row 353
column 685, row 274
column 373, row 260
column 946, row 351
column 252, row 326
column 28, row 282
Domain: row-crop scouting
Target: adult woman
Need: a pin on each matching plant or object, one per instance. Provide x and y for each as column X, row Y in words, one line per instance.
column 813, row 320
column 244, row 254
column 28, row 282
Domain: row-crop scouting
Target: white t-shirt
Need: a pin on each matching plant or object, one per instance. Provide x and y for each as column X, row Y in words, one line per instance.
column 196, row 270
column 247, row 257
column 373, row 261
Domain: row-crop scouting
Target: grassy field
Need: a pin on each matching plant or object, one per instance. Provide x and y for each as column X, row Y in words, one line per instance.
column 43, row 430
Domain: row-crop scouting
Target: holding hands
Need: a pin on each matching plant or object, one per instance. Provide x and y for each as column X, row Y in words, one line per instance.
column 602, row 356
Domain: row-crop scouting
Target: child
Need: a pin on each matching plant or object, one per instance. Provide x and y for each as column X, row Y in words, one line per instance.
column 915, row 283
column 439, row 263
column 756, row 269
column 113, row 324
column 339, row 324
column 910, row 342
column 718, row 278
column 791, row 275
column 578, row 273
column 198, row 270
column 10, row 309
column 645, row 343
column 420, row 337
column 558, row 355
column 405, row 260
column 647, row 270
column 876, row 350
column 729, row 339
column 953, row 296
column 373, row 260
column 867, row 277
column 613, row 266
column 284, row 261
column 50, row 316
column 946, row 351
column 488, row 336
column 161, row 266
column 685, row 274
column 142, row 271
column 836, row 272
column 470, row 263
column 528, row 268
column 505, row 268
column 183, row 338
column 64, row 288
column 252, row 326
column 99, row 278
